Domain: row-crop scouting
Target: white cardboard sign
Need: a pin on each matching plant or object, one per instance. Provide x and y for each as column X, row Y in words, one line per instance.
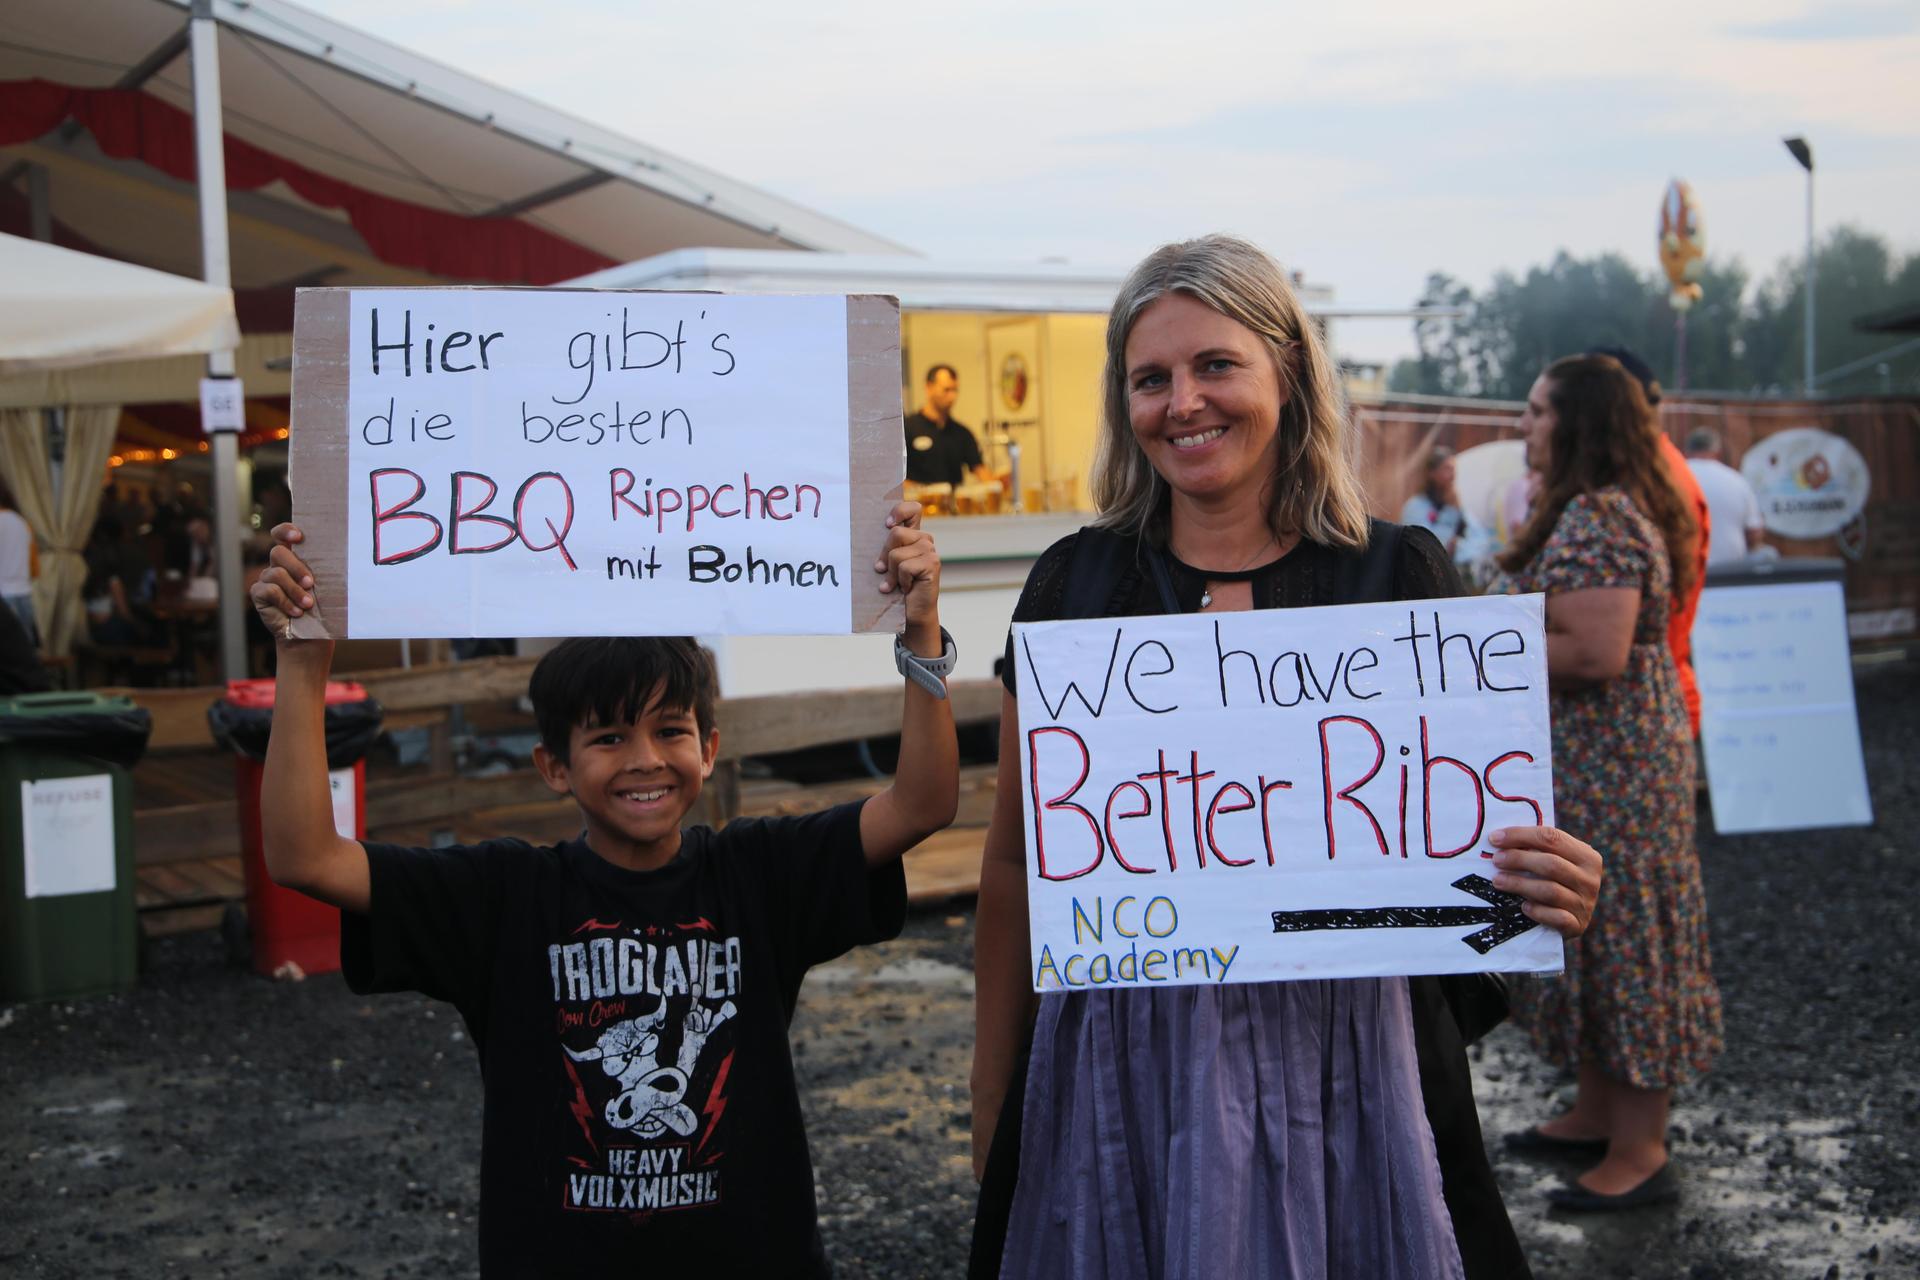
column 67, row 835
column 1276, row 794
column 550, row 463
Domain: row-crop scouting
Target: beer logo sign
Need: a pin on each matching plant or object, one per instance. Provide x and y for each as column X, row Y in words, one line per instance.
column 1013, row 380
column 1810, row 482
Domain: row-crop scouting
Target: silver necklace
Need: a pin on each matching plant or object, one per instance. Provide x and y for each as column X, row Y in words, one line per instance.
column 1206, row 589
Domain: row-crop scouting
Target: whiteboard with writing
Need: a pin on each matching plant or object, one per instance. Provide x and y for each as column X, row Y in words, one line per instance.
column 1778, row 725
column 569, row 462
column 1275, row 794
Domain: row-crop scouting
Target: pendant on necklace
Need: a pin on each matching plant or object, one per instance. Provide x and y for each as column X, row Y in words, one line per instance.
column 1206, row 597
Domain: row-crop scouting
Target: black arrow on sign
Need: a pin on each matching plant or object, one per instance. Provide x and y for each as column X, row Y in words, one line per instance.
column 1503, row 918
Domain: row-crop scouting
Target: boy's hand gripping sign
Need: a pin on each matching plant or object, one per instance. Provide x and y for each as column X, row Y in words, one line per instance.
column 530, row 462
column 1273, row 794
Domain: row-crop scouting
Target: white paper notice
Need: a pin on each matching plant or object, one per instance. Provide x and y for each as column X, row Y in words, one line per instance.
column 555, row 462
column 67, row 832
column 346, row 815
column 1777, row 720
column 1274, row 794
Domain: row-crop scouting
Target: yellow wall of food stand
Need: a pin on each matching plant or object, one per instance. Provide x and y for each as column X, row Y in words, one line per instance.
column 1068, row 375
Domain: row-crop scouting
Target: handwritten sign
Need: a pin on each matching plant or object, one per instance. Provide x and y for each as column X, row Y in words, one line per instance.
column 480, row 462
column 1777, row 720
column 1274, row 794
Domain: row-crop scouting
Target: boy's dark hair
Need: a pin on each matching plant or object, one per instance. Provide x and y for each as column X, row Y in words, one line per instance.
column 612, row 679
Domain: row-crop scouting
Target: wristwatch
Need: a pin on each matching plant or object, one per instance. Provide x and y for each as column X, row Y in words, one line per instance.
column 929, row 673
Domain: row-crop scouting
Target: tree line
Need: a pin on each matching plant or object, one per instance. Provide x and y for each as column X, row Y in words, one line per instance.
column 1739, row 338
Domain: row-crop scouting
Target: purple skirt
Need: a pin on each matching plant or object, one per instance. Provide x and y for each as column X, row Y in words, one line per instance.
column 1254, row 1129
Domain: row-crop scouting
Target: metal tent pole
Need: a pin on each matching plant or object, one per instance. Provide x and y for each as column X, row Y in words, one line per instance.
column 1810, row 269
column 1802, row 152
column 208, row 137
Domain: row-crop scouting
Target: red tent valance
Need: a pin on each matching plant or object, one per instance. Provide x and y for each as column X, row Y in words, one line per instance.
column 131, row 125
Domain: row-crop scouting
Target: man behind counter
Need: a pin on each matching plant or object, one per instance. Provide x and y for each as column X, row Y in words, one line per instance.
column 940, row 450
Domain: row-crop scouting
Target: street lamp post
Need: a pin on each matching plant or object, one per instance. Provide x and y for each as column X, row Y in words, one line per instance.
column 1804, row 154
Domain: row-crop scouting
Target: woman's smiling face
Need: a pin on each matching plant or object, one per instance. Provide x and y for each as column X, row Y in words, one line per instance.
column 1204, row 400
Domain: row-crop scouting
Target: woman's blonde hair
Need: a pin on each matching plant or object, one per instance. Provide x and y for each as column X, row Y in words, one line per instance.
column 1316, row 488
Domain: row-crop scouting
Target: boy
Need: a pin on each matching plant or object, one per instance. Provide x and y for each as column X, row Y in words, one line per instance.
column 629, row 990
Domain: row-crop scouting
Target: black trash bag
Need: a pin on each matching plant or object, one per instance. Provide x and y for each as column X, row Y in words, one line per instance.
column 117, row 737
column 351, row 730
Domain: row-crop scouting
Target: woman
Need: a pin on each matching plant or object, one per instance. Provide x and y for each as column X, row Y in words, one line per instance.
column 1227, row 457
column 1610, row 543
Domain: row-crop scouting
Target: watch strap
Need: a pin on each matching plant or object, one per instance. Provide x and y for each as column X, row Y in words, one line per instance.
column 929, row 673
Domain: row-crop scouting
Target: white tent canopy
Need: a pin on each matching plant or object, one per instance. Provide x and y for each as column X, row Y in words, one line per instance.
column 359, row 110
column 59, row 309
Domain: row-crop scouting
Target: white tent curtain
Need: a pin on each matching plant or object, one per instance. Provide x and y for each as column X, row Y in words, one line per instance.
column 62, row 522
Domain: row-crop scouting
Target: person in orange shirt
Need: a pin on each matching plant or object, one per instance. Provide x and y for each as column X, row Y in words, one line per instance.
column 1680, row 617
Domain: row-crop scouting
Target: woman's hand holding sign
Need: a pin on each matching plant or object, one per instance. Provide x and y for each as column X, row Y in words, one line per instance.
column 1556, row 874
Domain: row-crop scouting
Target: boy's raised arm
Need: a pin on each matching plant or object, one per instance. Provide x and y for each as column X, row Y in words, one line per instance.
column 926, row 786
column 303, row 850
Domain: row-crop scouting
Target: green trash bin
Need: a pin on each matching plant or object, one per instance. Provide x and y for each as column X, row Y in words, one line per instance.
column 67, row 923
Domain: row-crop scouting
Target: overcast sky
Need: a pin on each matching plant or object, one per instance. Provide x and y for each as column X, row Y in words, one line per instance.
column 1366, row 146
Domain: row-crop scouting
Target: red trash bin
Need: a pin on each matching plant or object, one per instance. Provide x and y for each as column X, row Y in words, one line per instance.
column 286, row 925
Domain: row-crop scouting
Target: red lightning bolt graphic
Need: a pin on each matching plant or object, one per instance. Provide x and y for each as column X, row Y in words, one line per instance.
column 716, row 1104
column 597, row 924
column 580, row 1107
column 701, row 923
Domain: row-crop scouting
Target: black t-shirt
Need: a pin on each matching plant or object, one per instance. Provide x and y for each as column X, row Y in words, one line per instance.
column 937, row 454
column 640, row 1110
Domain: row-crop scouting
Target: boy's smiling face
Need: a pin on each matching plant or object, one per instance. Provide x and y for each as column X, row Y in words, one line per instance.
column 635, row 782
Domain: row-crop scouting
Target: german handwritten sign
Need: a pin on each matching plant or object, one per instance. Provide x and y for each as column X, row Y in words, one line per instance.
column 528, row 462
column 1253, row 796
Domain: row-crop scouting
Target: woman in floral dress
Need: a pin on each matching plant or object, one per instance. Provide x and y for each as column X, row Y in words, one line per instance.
column 1637, row 1011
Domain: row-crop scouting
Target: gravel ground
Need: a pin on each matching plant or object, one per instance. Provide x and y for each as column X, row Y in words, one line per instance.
column 212, row 1123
